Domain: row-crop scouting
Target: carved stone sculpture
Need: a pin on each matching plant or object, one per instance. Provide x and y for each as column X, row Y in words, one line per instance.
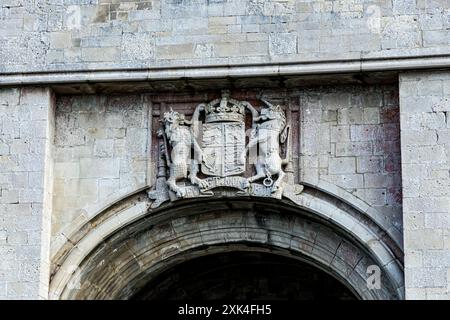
column 177, row 133
column 223, row 137
column 220, row 126
column 271, row 131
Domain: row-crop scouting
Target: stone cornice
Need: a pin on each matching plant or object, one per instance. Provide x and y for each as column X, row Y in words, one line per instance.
column 228, row 71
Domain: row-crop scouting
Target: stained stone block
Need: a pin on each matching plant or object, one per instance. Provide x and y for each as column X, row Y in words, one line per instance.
column 9, row 97
column 369, row 164
column 340, row 133
column 282, row 43
column 34, row 96
column 342, row 165
column 138, row 46
column 373, row 196
column 346, row 181
column 366, row 132
column 377, row 180
column 354, row 148
column 350, row 115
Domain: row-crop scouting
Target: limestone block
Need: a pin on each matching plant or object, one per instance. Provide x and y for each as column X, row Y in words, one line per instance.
column 99, row 168
column 435, row 120
column 106, row 187
column 67, row 169
column 100, row 54
column 10, row 96
column 181, row 51
column 443, row 137
column 60, row 40
column 349, row 253
column 340, row 133
column 30, row 96
column 213, row 21
column 350, row 115
column 16, row 290
column 315, row 143
column 419, row 138
column 366, row 132
column 431, row 21
column 435, row 37
column 282, row 43
column 138, row 46
column 309, row 42
column 354, row 149
column 342, row 165
column 104, row 148
column 427, row 277
column 424, row 239
column 347, row 181
column 373, row 196
column 377, row 180
column 369, row 164
column 425, row 154
column 434, row 258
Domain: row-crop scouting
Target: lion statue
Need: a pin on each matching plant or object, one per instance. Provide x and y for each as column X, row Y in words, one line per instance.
column 177, row 133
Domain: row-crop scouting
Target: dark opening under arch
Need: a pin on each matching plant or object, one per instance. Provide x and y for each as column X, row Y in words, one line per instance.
column 246, row 276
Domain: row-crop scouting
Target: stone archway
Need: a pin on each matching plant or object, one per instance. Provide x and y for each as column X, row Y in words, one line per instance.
column 121, row 250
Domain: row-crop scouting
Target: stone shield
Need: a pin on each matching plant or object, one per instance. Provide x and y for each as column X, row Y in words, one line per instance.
column 223, row 144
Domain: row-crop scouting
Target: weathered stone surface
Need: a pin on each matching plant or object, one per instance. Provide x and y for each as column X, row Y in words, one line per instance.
column 159, row 33
column 347, row 136
column 358, row 144
column 426, row 198
column 101, row 147
column 102, row 144
column 25, row 192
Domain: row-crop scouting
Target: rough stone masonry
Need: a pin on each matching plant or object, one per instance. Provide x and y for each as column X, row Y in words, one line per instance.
column 83, row 84
column 81, row 34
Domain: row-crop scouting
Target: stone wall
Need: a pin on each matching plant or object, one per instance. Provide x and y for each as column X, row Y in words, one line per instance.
column 26, row 135
column 60, row 162
column 349, row 138
column 81, row 34
column 425, row 132
column 100, row 149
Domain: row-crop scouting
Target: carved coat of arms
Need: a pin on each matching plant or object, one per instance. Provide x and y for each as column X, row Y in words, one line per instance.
column 209, row 152
column 223, row 138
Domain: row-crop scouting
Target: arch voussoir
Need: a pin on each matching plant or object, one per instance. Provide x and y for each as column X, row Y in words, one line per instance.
column 125, row 251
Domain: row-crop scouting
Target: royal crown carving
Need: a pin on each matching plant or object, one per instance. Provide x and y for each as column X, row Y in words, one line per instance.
column 224, row 109
column 208, row 155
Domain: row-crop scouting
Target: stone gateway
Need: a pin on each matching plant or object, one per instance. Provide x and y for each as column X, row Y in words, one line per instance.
column 171, row 150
